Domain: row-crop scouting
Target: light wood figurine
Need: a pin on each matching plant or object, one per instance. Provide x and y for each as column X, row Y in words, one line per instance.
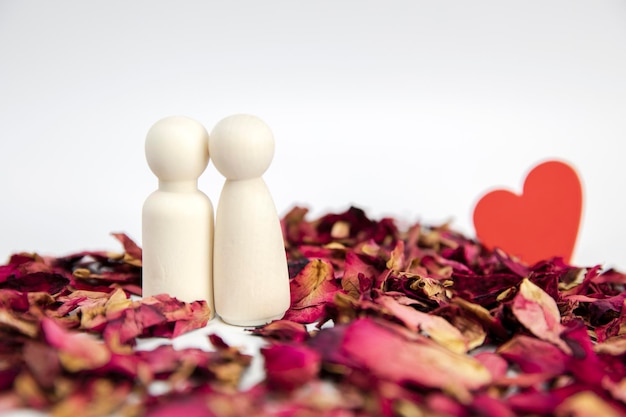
column 177, row 219
column 251, row 279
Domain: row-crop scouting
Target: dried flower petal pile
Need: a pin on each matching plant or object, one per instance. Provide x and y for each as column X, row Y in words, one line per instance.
column 382, row 322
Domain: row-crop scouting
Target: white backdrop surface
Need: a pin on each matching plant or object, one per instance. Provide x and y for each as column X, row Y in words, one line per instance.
column 412, row 109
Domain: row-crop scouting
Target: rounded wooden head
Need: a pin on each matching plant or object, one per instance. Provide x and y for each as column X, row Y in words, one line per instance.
column 177, row 149
column 241, row 147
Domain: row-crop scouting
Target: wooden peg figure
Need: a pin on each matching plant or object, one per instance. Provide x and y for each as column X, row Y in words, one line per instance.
column 177, row 219
column 250, row 274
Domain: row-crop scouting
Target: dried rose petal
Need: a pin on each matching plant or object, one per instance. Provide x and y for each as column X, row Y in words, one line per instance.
column 495, row 363
column 97, row 397
column 19, row 323
column 482, row 316
column 438, row 328
column 29, row 393
column 360, row 273
column 15, row 300
column 583, row 363
column 533, row 402
column 534, row 356
column 439, row 267
column 97, row 270
column 198, row 318
column 311, row 289
column 426, row 291
column 163, row 316
column 43, row 362
column 616, row 388
column 25, row 264
column 586, row 404
column 472, row 330
column 36, row 282
column 106, row 277
column 615, row 346
column 8, row 271
column 76, row 351
column 8, row 373
column 355, row 226
column 283, row 330
column 488, row 406
column 133, row 253
column 190, row 406
column 603, row 313
column 296, row 230
column 417, row 360
column 124, row 329
column 443, row 405
column 484, row 290
column 332, row 253
column 552, row 332
column 611, row 276
column 290, row 366
column 397, row 258
column 538, row 312
column 96, row 311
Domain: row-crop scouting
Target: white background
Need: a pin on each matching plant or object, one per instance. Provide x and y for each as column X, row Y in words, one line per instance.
column 412, row 109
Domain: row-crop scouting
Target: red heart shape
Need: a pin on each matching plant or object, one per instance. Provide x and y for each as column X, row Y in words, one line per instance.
column 541, row 223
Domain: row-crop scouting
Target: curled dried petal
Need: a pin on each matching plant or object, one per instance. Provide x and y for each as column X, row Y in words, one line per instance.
column 538, row 312
column 438, row 328
column 311, row 290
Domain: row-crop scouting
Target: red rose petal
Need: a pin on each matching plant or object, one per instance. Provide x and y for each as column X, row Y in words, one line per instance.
column 418, row 360
column 311, row 289
column 283, row 330
column 534, row 356
column 290, row 366
column 360, row 274
column 133, row 251
column 538, row 312
column 550, row 334
column 77, row 351
column 438, row 328
column 36, row 282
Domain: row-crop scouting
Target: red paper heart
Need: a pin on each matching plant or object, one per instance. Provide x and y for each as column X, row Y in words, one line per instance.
column 541, row 223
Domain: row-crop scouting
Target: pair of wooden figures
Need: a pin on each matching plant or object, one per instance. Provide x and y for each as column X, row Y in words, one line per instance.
column 236, row 262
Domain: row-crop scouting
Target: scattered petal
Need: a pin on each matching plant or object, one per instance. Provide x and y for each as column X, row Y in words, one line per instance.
column 538, row 312
column 290, row 366
column 438, row 328
column 414, row 360
column 586, row 404
column 311, row 290
column 382, row 323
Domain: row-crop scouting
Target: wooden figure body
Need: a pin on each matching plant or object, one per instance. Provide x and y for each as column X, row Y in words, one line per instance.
column 177, row 219
column 250, row 275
